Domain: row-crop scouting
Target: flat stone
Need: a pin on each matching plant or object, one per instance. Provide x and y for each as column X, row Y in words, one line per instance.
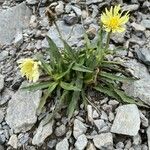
column 99, row 124
column 42, row 133
column 138, row 27
column 139, row 88
column 103, row 140
column 88, row 2
column 131, row 7
column 144, row 55
column 72, row 35
column 79, row 128
column 21, row 111
column 127, row 120
column 12, row 20
column 146, row 23
column 81, row 142
column 13, row 141
column 1, row 82
column 63, row 145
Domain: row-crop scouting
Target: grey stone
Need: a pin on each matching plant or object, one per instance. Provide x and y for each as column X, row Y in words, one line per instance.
column 90, row 113
column 117, row 37
column 23, row 138
column 77, row 11
column 132, row 7
column 146, row 23
column 138, row 27
column 3, row 55
column 70, row 20
column 148, row 136
column 1, row 147
column 127, row 120
column 79, row 128
column 21, row 111
column 81, row 142
column 103, row 140
column 11, row 20
column 89, row 2
column 32, row 2
column 119, row 145
column 18, row 39
column 72, row 35
column 63, row 145
column 144, row 54
column 60, row 131
column 2, row 139
column 42, row 133
column 144, row 120
column 99, row 124
column 139, row 88
column 51, row 143
column 137, row 140
column 13, row 141
column 1, row 82
column 59, row 9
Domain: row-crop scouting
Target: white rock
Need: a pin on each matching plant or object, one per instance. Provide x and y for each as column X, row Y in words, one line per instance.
column 127, row 120
column 144, row 120
column 99, row 124
column 1, row 82
column 138, row 27
column 63, row 145
column 146, row 23
column 32, row 2
column 11, row 20
column 60, row 131
column 79, row 128
column 13, row 141
column 21, row 111
column 1, row 115
column 81, row 142
column 18, row 39
column 103, row 140
column 42, row 133
column 90, row 113
column 59, row 9
column 77, row 11
column 88, row 2
column 95, row 114
column 148, row 136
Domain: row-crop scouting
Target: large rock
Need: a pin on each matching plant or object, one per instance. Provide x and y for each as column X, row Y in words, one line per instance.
column 72, row 34
column 127, row 120
column 21, row 111
column 43, row 131
column 139, row 88
column 13, row 20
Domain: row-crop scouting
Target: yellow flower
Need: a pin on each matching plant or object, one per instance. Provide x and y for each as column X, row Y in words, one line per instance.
column 113, row 20
column 30, row 69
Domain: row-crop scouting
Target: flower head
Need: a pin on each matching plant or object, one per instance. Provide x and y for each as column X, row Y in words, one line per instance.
column 29, row 68
column 113, row 20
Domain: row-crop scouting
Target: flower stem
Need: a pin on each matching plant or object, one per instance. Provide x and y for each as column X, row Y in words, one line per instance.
column 108, row 40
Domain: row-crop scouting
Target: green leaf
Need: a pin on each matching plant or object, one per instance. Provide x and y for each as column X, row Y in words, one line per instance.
column 115, row 77
column 69, row 86
column 61, row 75
column 69, row 50
column 37, row 86
column 75, row 96
column 127, row 99
column 107, row 91
column 47, row 68
column 73, row 104
column 47, row 93
column 53, row 50
column 81, row 68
